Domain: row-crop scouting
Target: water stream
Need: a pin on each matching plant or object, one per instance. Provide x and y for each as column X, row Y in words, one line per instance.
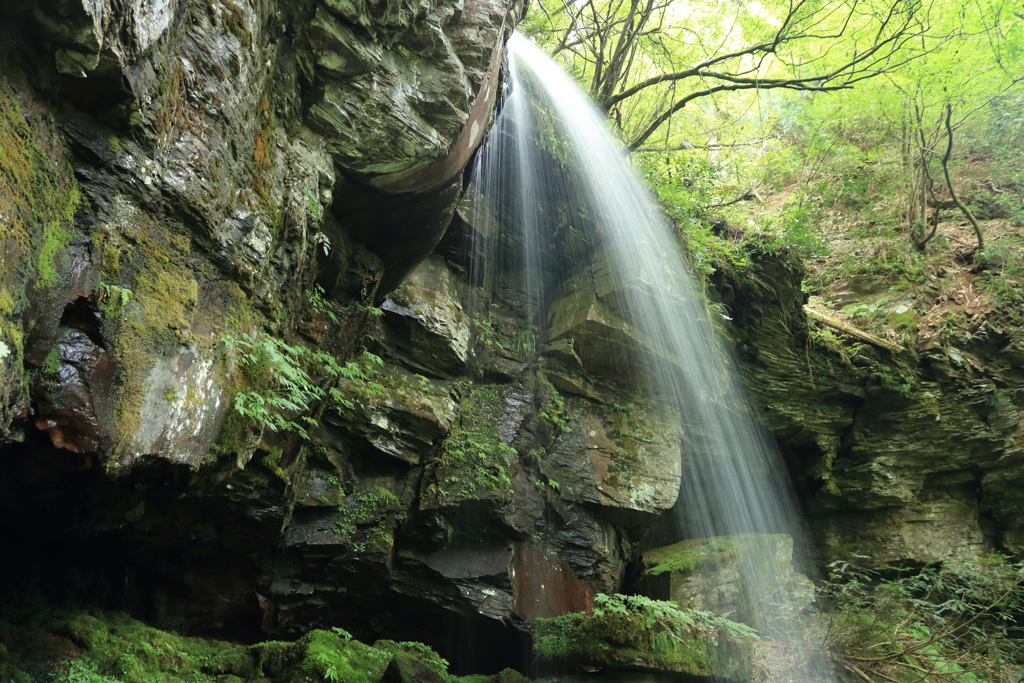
column 557, row 193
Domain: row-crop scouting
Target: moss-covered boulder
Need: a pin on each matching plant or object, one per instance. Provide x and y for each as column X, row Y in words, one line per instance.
column 634, row 633
column 728, row 575
column 103, row 647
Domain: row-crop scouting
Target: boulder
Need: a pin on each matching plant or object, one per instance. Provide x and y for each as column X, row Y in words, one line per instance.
column 725, row 574
column 631, row 634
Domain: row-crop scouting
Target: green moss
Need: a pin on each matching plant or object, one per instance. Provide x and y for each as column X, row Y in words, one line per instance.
column 102, row 646
column 149, row 302
column 694, row 554
column 631, row 631
column 903, row 322
column 39, row 195
column 474, row 459
column 97, row 646
column 366, row 520
column 234, row 20
column 38, row 200
column 323, row 656
column 51, row 366
column 6, row 303
column 373, row 386
column 55, row 240
column 418, row 651
column 111, row 260
column 687, row 556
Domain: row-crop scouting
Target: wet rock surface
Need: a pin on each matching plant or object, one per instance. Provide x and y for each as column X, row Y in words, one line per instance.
column 179, row 177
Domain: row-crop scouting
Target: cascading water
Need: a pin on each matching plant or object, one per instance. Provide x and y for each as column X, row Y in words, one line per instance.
column 556, row 192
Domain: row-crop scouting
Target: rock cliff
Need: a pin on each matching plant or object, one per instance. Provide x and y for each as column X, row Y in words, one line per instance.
column 902, row 457
column 210, row 205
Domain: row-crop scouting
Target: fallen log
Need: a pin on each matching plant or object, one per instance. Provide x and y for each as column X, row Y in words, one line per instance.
column 849, row 329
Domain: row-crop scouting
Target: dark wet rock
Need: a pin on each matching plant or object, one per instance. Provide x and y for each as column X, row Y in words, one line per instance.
column 426, row 321
column 407, row 670
column 543, row 587
column 396, row 412
column 624, row 457
column 74, row 394
column 176, row 198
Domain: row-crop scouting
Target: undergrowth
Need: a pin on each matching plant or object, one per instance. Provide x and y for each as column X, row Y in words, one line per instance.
column 954, row 622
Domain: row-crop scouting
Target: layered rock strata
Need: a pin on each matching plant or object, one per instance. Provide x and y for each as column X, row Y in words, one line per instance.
column 909, row 457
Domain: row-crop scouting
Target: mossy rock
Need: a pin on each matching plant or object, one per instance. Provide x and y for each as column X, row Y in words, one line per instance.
column 323, row 655
column 102, row 647
column 723, row 574
column 632, row 642
column 506, row 676
column 474, row 462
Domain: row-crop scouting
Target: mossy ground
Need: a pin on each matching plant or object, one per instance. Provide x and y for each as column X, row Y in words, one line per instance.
column 92, row 646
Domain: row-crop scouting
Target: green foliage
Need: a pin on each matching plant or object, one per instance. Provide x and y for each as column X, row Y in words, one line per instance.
column 637, row 629
column 950, row 622
column 796, row 226
column 284, row 388
column 368, row 385
column 553, row 405
column 318, row 301
column 474, row 459
column 51, row 365
column 335, row 656
column 1003, row 275
column 686, row 183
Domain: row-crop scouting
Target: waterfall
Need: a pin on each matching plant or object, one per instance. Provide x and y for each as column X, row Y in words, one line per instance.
column 555, row 189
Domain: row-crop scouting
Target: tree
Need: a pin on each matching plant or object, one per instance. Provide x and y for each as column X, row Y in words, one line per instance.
column 963, row 77
column 645, row 60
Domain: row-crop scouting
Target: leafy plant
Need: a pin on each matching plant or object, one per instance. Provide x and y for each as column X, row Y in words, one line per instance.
column 318, row 301
column 954, row 622
column 284, row 388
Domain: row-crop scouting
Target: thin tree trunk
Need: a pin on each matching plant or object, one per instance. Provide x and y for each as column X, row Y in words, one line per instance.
column 949, row 182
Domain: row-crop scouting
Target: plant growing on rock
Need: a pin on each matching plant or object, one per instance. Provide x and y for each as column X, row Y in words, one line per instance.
column 282, row 385
column 630, row 630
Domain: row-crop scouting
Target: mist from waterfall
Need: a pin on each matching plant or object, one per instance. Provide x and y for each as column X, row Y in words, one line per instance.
column 555, row 190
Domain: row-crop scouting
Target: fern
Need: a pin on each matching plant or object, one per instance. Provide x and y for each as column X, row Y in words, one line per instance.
column 287, row 388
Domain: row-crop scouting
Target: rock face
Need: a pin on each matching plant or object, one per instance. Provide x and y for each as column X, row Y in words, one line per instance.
column 900, row 458
column 209, row 208
column 201, row 204
column 486, row 491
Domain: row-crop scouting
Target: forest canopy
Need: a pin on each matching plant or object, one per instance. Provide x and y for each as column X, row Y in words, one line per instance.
column 644, row 61
column 878, row 139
